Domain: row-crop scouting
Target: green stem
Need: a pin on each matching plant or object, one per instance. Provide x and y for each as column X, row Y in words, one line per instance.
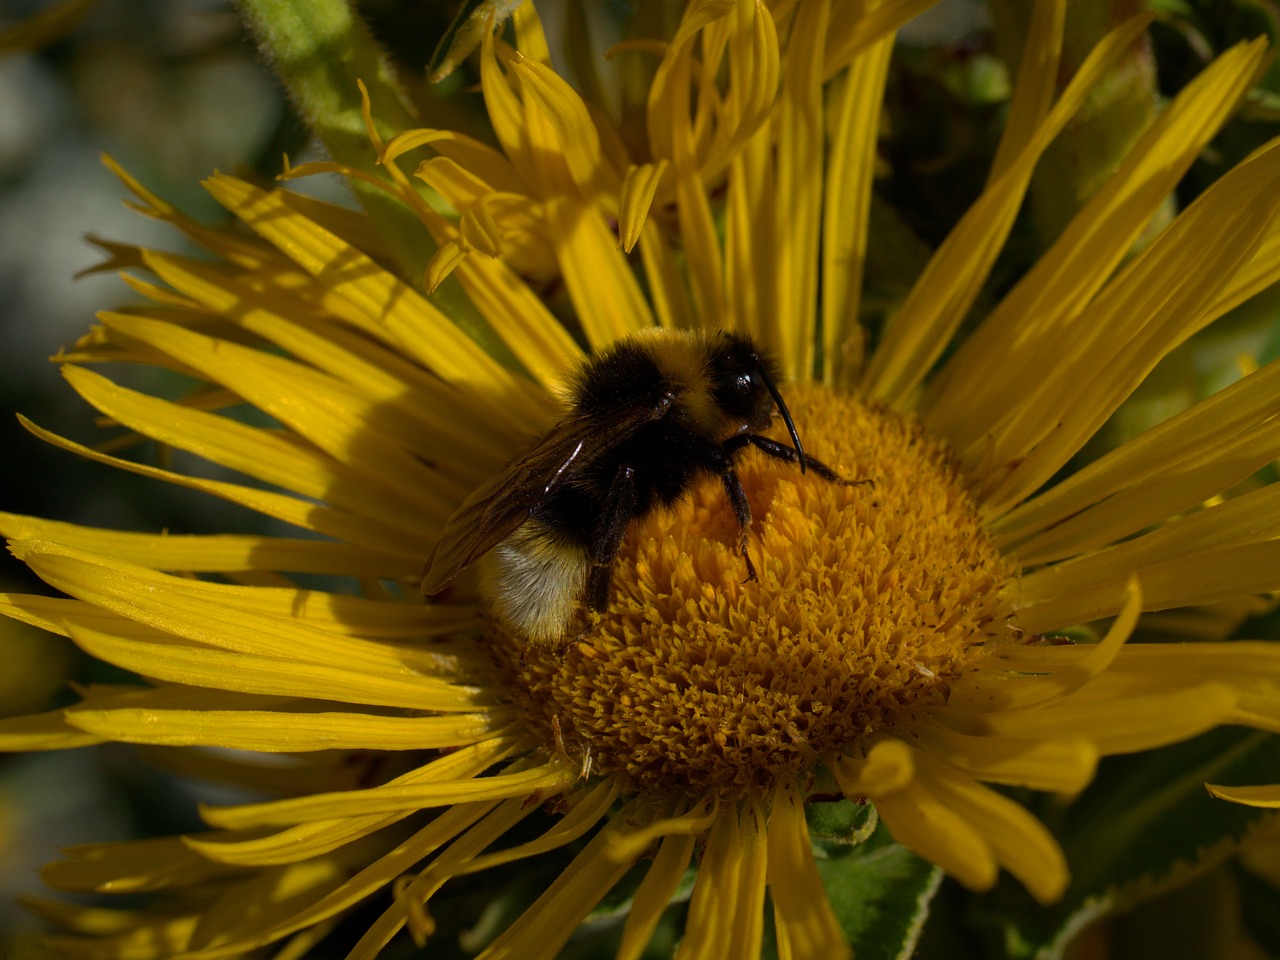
column 319, row 49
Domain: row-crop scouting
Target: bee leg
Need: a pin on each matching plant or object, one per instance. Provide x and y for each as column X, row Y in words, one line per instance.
column 742, row 510
column 787, row 454
column 606, row 539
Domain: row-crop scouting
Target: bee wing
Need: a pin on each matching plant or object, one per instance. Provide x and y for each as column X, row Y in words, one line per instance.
column 502, row 504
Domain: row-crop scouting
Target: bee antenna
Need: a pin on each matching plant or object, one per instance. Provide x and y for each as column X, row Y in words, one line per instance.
column 782, row 409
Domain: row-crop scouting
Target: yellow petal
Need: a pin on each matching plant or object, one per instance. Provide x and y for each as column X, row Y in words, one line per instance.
column 579, row 143
column 542, row 930
column 606, row 297
column 250, row 673
column 638, row 188
column 846, row 208
column 889, row 766
column 224, row 616
column 926, row 825
column 1227, row 422
column 1155, row 303
column 280, row 731
column 716, row 915
column 373, row 877
column 1063, row 765
column 301, row 513
column 1020, row 842
column 802, row 915
column 654, row 895
column 920, row 331
column 1267, row 796
column 135, row 866
column 42, row 731
column 1112, row 721
column 223, row 553
column 392, row 798
column 362, row 293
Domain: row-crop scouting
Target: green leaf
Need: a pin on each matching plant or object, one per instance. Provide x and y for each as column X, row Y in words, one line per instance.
column 1258, row 910
column 881, row 898
column 880, row 891
column 1146, row 825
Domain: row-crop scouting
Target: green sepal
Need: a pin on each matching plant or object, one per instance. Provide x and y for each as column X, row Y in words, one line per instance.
column 465, row 33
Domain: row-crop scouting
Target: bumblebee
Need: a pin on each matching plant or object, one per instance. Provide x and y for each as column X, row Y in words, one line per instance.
column 647, row 418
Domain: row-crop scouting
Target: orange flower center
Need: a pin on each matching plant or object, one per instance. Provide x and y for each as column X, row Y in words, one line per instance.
column 869, row 602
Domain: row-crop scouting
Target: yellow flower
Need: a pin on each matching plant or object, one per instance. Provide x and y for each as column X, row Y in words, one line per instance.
column 892, row 648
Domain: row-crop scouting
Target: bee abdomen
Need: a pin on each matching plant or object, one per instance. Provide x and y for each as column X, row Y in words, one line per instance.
column 532, row 580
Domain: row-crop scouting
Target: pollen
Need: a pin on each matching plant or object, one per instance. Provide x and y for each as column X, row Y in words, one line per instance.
column 869, row 600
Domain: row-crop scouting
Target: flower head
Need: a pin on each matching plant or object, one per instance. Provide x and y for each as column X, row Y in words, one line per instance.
column 891, row 647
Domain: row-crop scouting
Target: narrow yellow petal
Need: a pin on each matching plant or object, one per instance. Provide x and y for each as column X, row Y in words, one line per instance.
column 224, row 553
column 853, row 34
column 1155, row 303
column 636, row 197
column 1267, row 796
column 846, row 208
column 715, row 907
column 926, row 825
column 802, row 915
column 1220, row 422
column 523, row 321
column 447, row 258
column 412, row 895
column 888, row 766
column 319, row 408
column 1020, row 842
column 1018, row 677
column 506, row 114
column 921, row 330
column 606, row 297
column 800, row 135
column 42, row 731
column 1262, row 271
column 1087, row 589
column 134, row 866
column 667, row 287
column 376, row 876
column 251, row 673
column 247, row 252
column 586, row 812
column 279, row 731
column 654, row 895
column 477, row 159
column 693, row 822
column 362, row 293
column 301, row 513
column 542, row 930
column 1113, row 721
column 1063, row 765
column 260, row 901
column 548, row 779
column 1033, row 90
column 259, row 453
column 402, row 399
column 579, row 143
column 219, row 615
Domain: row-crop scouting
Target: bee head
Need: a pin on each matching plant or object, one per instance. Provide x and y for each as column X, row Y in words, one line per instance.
column 745, row 389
